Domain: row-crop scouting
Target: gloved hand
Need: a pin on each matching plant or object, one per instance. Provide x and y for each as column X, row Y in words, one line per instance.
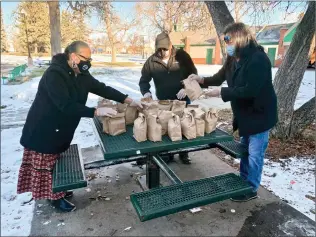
column 181, row 94
column 215, row 91
column 197, row 78
column 136, row 103
column 147, row 95
column 104, row 111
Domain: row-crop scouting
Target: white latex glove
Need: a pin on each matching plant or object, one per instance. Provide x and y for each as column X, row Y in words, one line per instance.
column 147, row 95
column 214, row 91
column 197, row 78
column 103, row 111
column 136, row 103
column 181, row 94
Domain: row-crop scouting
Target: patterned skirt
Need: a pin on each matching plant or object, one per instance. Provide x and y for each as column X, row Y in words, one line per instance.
column 35, row 175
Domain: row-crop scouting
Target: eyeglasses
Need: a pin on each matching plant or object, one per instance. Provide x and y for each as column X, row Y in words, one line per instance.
column 87, row 59
column 227, row 38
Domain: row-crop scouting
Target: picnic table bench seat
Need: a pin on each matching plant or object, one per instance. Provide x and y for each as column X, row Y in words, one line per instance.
column 171, row 199
column 13, row 74
column 234, row 148
column 68, row 172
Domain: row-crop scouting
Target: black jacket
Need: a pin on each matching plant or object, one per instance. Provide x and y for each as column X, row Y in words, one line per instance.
column 167, row 78
column 250, row 90
column 58, row 106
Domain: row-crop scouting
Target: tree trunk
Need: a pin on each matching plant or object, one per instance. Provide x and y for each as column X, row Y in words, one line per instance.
column 221, row 18
column 237, row 9
column 113, row 54
column 108, row 26
column 302, row 117
column 55, row 35
column 35, row 48
column 289, row 77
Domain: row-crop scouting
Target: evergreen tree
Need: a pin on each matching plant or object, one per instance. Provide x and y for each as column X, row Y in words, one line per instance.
column 33, row 26
column 4, row 42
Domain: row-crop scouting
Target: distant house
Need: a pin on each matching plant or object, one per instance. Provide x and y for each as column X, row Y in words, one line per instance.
column 276, row 40
column 204, row 48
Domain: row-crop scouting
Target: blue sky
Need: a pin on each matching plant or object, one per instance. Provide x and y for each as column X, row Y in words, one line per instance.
column 126, row 8
column 123, row 9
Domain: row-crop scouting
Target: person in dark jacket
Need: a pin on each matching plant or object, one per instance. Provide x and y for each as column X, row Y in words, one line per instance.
column 168, row 67
column 247, row 72
column 54, row 116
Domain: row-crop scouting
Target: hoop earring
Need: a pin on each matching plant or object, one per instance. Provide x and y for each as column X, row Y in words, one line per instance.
column 74, row 65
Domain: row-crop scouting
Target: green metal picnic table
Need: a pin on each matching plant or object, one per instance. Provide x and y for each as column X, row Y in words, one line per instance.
column 160, row 201
column 157, row 201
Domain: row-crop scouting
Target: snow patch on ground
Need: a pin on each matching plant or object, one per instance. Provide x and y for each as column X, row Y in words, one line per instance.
column 16, row 217
column 292, row 226
column 292, row 180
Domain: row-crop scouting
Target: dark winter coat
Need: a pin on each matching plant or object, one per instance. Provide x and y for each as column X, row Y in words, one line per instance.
column 59, row 105
column 167, row 78
column 250, row 90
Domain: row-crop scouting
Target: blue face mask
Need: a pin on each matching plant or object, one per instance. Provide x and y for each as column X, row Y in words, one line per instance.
column 230, row 49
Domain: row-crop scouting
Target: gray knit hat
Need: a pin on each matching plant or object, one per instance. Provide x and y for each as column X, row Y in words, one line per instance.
column 162, row 41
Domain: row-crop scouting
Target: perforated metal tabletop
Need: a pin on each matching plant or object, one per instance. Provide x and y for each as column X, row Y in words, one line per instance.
column 125, row 145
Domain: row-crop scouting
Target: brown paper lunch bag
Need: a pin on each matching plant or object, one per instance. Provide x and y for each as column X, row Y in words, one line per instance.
column 117, row 124
column 211, row 117
column 192, row 89
column 177, row 107
column 147, row 100
column 165, row 104
column 106, row 103
column 174, row 128
column 121, row 108
column 150, row 108
column 193, row 106
column 131, row 114
column 103, row 119
column 154, row 131
column 140, row 128
column 188, row 125
column 105, row 124
column 164, row 117
column 199, row 116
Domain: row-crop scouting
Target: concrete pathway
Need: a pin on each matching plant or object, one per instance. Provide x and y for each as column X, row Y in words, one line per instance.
column 261, row 217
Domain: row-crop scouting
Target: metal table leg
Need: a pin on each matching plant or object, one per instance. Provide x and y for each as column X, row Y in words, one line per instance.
column 152, row 173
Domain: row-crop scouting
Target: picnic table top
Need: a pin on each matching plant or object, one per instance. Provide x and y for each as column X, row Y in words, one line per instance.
column 124, row 145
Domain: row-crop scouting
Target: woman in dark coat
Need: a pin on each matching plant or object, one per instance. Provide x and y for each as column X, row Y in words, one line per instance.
column 54, row 116
column 247, row 72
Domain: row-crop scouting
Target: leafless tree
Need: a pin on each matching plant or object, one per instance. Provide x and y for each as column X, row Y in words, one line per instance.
column 290, row 74
column 115, row 27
